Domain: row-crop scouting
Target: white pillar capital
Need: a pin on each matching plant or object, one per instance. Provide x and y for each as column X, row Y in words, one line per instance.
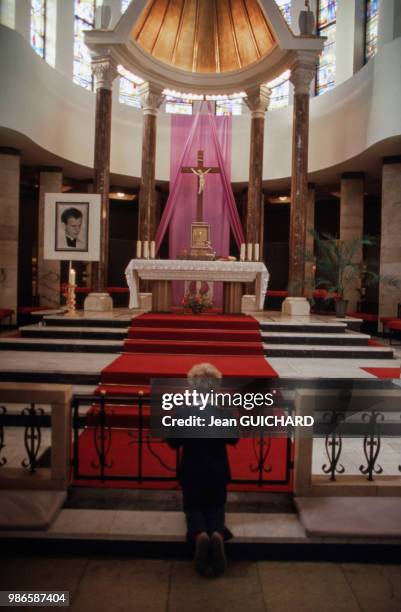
column 151, row 97
column 258, row 100
column 303, row 71
column 104, row 70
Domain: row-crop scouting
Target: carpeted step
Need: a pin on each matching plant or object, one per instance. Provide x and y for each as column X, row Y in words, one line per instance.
column 193, row 348
column 140, row 368
column 187, row 333
column 196, row 321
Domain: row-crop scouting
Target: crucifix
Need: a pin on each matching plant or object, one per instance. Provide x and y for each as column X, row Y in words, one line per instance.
column 200, row 170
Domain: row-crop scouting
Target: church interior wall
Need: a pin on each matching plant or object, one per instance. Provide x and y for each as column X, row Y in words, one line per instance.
column 42, row 104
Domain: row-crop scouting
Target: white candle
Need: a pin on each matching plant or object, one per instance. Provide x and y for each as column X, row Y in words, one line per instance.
column 249, row 251
column 138, row 249
column 146, row 249
column 256, row 251
column 71, row 277
column 152, row 249
column 242, row 252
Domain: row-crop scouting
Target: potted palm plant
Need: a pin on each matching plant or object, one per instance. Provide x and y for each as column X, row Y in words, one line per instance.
column 339, row 268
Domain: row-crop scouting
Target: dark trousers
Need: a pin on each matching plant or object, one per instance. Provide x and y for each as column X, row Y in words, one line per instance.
column 204, row 507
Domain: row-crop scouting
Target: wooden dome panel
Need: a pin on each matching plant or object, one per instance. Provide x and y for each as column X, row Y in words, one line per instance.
column 208, row 36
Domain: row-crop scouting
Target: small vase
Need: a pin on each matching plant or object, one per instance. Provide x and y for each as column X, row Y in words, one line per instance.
column 341, row 308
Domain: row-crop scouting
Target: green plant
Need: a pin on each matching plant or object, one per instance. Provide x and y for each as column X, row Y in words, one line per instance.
column 339, row 266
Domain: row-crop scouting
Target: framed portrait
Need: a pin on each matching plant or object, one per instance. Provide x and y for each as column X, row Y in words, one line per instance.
column 72, row 226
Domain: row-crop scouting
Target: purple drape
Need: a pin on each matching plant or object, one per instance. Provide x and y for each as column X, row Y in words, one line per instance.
column 212, row 135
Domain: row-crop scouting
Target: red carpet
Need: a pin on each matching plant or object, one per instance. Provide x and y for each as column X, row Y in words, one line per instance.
column 140, row 368
column 191, row 334
column 189, row 347
column 158, row 460
column 196, row 321
column 384, row 372
column 189, row 339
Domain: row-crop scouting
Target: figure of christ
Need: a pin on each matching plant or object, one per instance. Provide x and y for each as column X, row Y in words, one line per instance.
column 200, row 171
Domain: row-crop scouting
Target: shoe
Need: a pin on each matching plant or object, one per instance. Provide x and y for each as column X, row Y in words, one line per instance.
column 202, row 554
column 218, row 554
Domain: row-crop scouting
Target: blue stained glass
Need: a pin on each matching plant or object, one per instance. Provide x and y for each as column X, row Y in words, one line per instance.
column 229, row 107
column 326, row 72
column 327, row 13
column 128, row 93
column 372, row 25
column 285, row 8
column 38, row 26
column 280, row 90
column 178, row 106
column 84, row 19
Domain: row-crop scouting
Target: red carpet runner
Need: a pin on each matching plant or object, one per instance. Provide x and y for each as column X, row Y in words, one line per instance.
column 168, row 346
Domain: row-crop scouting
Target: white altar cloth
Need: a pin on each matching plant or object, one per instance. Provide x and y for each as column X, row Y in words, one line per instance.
column 189, row 269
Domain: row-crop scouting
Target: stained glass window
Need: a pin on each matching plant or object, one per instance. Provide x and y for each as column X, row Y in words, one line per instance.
column 128, row 90
column 229, row 107
column 84, row 19
column 280, row 89
column 326, row 26
column 371, row 28
column 124, row 5
column 178, row 106
column 38, row 26
column 285, row 8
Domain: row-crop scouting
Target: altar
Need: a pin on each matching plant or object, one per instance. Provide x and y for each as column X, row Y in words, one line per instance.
column 162, row 271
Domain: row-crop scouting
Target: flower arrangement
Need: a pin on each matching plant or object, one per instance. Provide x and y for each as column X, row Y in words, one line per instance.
column 197, row 301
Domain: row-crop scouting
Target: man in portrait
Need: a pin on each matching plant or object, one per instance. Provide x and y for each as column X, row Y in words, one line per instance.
column 71, row 219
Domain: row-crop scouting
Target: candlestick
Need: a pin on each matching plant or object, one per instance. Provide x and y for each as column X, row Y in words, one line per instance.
column 242, row 252
column 152, row 249
column 249, row 251
column 256, row 251
column 138, row 249
column 146, row 249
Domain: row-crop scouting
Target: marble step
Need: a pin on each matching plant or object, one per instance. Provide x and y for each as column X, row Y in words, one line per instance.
column 82, row 333
column 61, row 345
column 84, row 321
column 342, row 339
column 324, row 352
column 303, row 327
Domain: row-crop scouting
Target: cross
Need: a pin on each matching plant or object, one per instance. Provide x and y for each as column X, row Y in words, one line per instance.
column 200, row 170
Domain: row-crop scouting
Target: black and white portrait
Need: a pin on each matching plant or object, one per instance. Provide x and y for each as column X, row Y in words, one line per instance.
column 72, row 226
column 72, row 222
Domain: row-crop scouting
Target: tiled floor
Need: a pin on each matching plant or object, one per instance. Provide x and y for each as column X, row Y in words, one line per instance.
column 139, row 585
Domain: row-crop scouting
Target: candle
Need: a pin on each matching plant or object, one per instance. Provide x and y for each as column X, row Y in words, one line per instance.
column 152, row 249
column 71, row 277
column 256, row 251
column 138, row 249
column 146, row 249
column 249, row 251
column 242, row 252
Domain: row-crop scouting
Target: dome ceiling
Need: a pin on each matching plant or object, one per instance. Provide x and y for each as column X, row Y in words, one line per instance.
column 204, row 36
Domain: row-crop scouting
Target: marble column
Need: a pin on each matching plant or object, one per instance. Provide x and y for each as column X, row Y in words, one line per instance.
column 351, row 224
column 105, row 71
column 390, row 242
column 9, row 223
column 151, row 99
column 257, row 101
column 309, row 238
column 302, row 73
column 50, row 181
